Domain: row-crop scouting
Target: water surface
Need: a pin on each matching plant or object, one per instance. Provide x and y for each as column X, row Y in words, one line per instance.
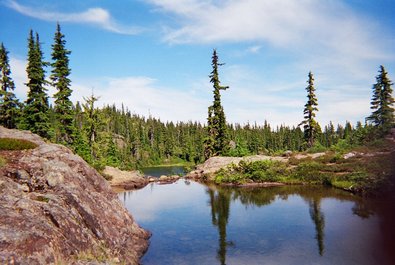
column 197, row 224
column 164, row 170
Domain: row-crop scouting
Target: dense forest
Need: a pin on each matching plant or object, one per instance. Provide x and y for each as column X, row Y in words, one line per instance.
column 116, row 137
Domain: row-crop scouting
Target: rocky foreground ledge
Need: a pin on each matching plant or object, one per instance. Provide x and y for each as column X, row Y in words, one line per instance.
column 55, row 208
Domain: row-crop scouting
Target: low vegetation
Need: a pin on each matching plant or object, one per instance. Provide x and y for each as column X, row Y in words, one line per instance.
column 16, row 144
column 2, row 161
column 362, row 172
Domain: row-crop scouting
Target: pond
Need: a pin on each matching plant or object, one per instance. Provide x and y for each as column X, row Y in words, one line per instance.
column 196, row 224
column 158, row 171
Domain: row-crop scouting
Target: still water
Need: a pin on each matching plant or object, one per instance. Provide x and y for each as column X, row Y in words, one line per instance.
column 164, row 170
column 196, row 224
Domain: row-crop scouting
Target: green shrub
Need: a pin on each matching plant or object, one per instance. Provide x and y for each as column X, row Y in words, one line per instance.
column 308, row 171
column 317, row 148
column 259, row 171
column 342, row 146
column 16, row 144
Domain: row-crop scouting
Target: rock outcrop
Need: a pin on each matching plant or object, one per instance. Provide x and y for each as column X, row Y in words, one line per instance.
column 55, row 208
column 125, row 180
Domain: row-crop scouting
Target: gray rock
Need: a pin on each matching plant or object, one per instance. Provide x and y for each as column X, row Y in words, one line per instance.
column 55, row 208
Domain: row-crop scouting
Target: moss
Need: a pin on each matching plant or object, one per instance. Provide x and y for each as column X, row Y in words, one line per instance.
column 106, row 176
column 42, row 199
column 16, row 144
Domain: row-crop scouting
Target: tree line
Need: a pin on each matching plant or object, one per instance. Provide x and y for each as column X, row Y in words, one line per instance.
column 116, row 137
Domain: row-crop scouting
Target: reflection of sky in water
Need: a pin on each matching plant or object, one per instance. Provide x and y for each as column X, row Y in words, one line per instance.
column 264, row 229
column 147, row 204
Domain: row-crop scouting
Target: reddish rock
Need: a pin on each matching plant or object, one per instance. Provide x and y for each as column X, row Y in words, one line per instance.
column 55, row 208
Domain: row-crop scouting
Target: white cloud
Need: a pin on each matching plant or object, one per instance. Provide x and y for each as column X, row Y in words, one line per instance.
column 313, row 31
column 281, row 23
column 143, row 96
column 243, row 102
column 254, row 49
column 94, row 16
column 327, row 38
column 18, row 74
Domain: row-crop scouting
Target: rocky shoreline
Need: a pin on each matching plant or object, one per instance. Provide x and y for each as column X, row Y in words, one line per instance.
column 55, row 208
column 121, row 180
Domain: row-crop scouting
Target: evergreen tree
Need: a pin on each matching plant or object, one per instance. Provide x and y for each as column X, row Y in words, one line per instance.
column 9, row 104
column 60, row 80
column 217, row 141
column 92, row 121
column 383, row 115
column 35, row 115
column 310, row 125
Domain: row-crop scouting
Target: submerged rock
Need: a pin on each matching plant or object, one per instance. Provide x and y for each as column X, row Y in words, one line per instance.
column 55, row 208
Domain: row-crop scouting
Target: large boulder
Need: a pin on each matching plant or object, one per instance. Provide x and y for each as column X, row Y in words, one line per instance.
column 125, row 180
column 55, row 208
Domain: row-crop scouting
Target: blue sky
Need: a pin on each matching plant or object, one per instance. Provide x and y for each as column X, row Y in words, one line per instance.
column 154, row 56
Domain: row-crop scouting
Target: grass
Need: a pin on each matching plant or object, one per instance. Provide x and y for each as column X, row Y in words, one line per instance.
column 16, row 144
column 2, row 161
column 100, row 254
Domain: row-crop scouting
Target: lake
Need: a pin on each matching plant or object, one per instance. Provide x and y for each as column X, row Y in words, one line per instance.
column 158, row 171
column 196, row 224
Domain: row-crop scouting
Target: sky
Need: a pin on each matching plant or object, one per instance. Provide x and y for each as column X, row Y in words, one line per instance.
column 154, row 56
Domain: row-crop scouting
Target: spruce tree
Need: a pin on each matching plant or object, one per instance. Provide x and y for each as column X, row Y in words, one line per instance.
column 217, row 141
column 59, row 77
column 9, row 104
column 310, row 125
column 35, row 115
column 382, row 116
column 210, row 139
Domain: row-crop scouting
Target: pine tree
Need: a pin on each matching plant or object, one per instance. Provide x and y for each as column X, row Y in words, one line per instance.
column 35, row 115
column 60, row 80
column 310, row 125
column 383, row 115
column 217, row 141
column 9, row 104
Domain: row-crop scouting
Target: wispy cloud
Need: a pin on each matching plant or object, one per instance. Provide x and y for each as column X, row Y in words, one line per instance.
column 94, row 16
column 254, row 49
column 281, row 22
column 307, row 28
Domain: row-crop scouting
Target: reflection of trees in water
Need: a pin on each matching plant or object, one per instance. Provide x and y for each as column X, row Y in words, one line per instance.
column 319, row 221
column 220, row 198
column 220, row 204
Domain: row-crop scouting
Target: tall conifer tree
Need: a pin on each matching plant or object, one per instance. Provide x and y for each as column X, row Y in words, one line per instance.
column 382, row 101
column 310, row 125
column 9, row 104
column 60, row 80
column 217, row 141
column 36, row 111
